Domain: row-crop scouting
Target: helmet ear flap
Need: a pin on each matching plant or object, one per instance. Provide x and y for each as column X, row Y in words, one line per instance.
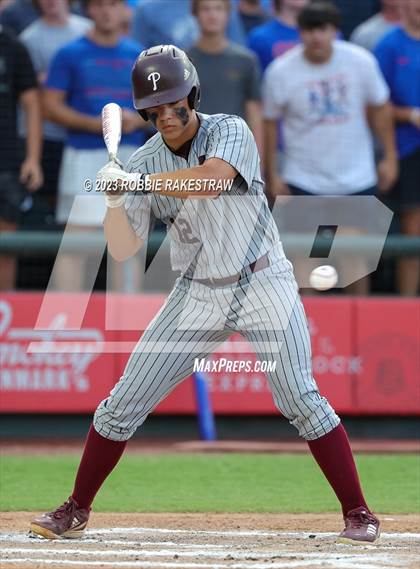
column 194, row 98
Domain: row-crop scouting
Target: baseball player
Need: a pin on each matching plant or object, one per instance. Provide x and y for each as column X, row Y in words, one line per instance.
column 234, row 278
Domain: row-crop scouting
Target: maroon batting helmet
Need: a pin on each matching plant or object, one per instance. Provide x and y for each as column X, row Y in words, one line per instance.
column 164, row 74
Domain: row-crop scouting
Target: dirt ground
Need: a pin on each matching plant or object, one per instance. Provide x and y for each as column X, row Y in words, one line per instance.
column 211, row 541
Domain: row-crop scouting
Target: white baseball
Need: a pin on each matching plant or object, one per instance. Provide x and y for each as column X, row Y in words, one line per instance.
column 323, row 278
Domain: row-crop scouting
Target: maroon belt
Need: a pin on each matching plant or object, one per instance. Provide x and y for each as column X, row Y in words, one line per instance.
column 261, row 263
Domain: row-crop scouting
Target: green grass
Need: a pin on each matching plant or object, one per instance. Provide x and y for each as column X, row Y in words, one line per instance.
column 210, row 483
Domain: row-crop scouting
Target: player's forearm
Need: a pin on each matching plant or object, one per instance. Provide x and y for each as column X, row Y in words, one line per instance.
column 122, row 241
column 383, row 126
column 205, row 181
column 67, row 117
column 206, row 177
column 32, row 107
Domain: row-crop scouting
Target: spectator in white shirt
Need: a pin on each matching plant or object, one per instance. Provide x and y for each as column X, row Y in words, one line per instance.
column 322, row 90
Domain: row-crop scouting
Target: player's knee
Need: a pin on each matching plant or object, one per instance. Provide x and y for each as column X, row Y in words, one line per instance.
column 111, row 423
column 313, row 416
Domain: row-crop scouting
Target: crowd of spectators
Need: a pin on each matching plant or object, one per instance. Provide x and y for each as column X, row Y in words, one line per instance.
column 312, row 84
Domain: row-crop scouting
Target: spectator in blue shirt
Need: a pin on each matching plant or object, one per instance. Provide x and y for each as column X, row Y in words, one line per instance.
column 278, row 35
column 157, row 22
column 398, row 54
column 85, row 75
column 43, row 38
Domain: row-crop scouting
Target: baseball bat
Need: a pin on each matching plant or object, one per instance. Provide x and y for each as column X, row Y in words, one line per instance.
column 111, row 129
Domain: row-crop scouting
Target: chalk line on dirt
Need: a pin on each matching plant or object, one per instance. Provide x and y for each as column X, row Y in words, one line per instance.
column 335, row 563
column 247, row 555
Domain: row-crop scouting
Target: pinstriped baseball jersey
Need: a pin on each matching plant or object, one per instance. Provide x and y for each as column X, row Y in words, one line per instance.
column 212, row 237
column 223, row 235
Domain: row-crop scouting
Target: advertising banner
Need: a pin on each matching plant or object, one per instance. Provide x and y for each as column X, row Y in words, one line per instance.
column 365, row 355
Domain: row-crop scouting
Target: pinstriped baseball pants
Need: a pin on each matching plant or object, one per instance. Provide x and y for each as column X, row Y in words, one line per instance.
column 264, row 307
